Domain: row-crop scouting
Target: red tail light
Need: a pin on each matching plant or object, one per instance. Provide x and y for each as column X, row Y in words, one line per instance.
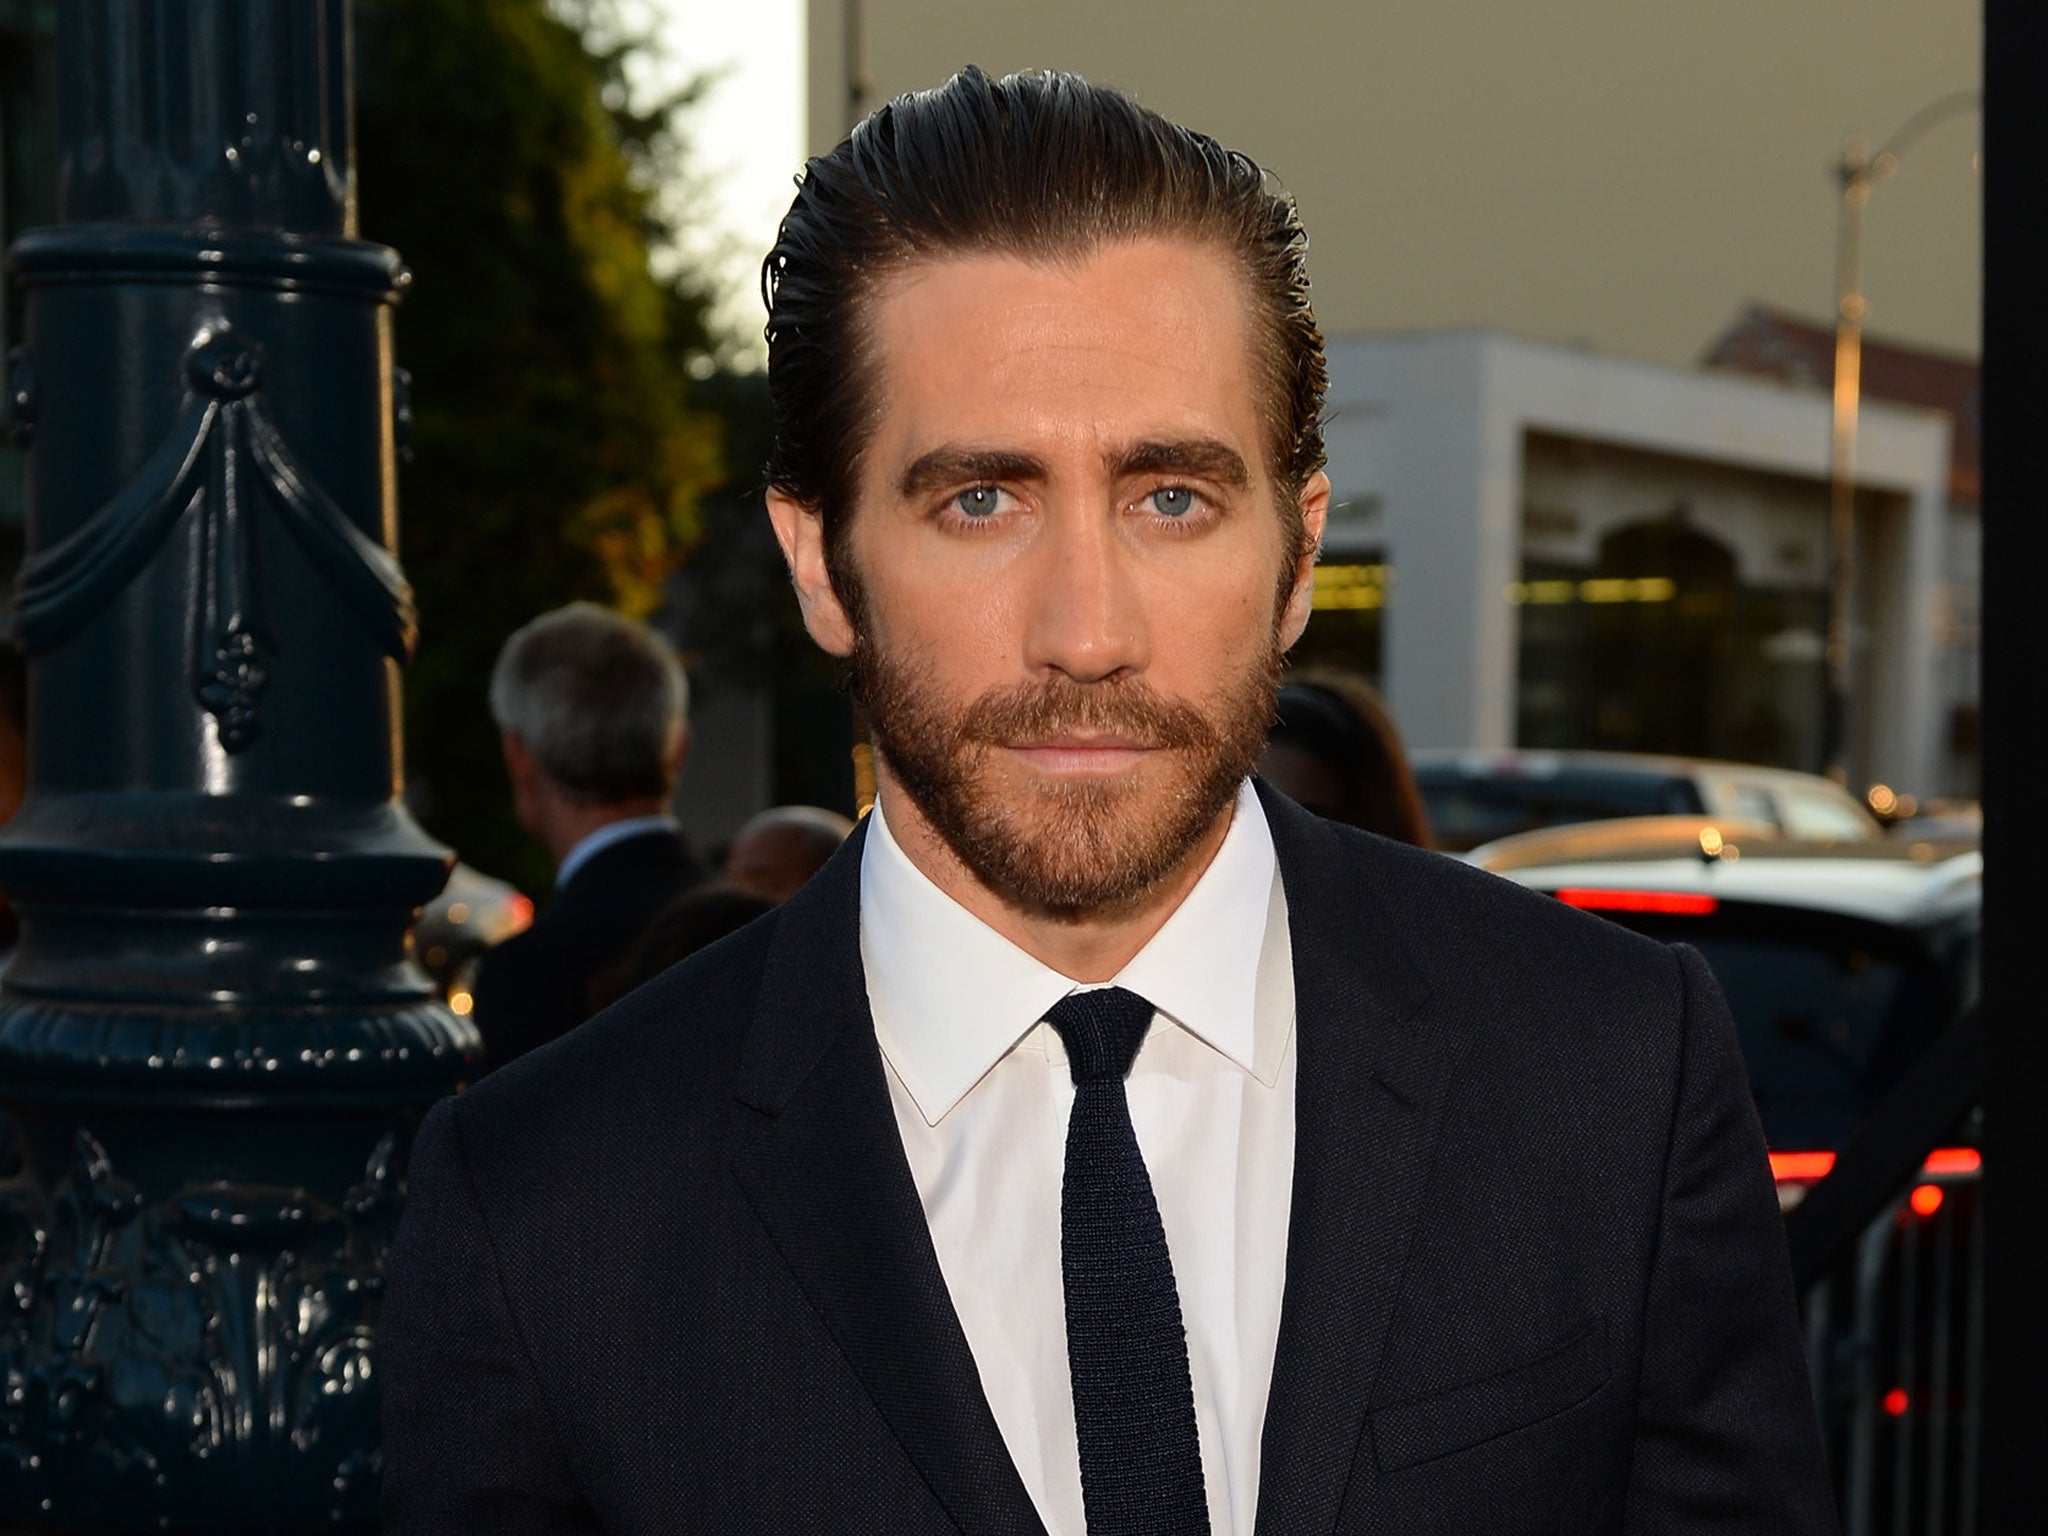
column 1806, row 1167
column 1801, row 1167
column 1682, row 903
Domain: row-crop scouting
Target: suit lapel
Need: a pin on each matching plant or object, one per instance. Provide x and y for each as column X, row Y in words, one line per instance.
column 822, row 1165
column 1370, row 1086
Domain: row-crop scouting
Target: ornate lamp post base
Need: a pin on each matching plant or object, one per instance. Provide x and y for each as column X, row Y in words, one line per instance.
column 213, row 1039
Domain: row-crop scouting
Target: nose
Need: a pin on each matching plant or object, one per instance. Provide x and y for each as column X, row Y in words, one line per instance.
column 1086, row 613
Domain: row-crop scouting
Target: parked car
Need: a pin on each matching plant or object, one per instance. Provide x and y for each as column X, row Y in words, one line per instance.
column 1940, row 820
column 1841, row 963
column 1476, row 796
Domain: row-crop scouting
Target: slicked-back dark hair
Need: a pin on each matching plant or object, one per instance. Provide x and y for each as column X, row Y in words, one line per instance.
column 1043, row 166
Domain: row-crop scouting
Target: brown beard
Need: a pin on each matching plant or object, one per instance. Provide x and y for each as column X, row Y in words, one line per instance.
column 1076, row 849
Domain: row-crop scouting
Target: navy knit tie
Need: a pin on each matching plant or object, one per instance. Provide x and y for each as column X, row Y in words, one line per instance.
column 1134, row 1403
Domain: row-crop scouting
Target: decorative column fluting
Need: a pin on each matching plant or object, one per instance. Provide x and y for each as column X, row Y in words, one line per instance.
column 213, row 1039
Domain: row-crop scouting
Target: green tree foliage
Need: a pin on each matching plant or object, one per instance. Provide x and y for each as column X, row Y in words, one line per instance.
column 555, row 454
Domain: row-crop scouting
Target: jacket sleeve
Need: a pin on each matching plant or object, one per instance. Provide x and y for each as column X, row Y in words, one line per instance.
column 469, row 1442
column 1726, row 1438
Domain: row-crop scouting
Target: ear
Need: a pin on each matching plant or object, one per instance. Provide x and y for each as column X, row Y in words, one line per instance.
column 519, row 766
column 1315, row 513
column 801, row 533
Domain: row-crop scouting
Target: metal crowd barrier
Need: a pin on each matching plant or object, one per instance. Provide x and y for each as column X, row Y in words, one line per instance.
column 1895, row 1346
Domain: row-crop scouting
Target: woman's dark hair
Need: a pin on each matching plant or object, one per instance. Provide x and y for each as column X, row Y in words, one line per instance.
column 1042, row 166
column 1341, row 722
column 700, row 917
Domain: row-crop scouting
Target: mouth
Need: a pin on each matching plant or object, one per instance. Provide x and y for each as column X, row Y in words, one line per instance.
column 1076, row 755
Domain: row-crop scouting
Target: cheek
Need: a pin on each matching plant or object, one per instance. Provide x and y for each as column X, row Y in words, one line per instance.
column 957, row 635
column 1205, row 635
column 919, row 591
column 1225, row 603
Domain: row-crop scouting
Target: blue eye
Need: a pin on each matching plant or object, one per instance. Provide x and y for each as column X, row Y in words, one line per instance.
column 1172, row 501
column 979, row 501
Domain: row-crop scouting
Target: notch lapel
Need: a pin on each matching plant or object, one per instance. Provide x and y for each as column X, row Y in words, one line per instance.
column 823, row 1167
column 1372, row 1074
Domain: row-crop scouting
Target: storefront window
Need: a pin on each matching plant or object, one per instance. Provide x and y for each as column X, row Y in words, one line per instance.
column 1659, row 647
column 1348, row 616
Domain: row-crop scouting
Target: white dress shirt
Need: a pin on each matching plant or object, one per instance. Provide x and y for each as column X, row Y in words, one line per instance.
column 982, row 1092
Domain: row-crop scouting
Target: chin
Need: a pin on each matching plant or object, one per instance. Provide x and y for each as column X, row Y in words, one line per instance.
column 1074, row 847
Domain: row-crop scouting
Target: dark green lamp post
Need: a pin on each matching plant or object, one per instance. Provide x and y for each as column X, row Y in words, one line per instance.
column 212, row 1036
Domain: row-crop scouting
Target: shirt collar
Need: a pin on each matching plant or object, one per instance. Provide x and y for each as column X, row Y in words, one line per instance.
column 591, row 844
column 1201, row 969
column 951, row 996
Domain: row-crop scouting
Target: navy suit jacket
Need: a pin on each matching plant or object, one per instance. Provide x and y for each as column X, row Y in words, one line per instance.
column 672, row 1272
column 536, row 985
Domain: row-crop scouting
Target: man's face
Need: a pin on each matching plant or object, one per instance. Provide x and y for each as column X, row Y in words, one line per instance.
column 1074, row 580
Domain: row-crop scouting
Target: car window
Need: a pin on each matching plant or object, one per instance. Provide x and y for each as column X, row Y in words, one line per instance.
column 1821, row 815
column 1732, row 797
column 1824, row 1030
column 1466, row 810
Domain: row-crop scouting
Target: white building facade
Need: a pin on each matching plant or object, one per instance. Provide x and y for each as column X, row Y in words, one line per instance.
column 1536, row 545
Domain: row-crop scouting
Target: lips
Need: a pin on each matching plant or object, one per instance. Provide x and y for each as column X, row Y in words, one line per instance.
column 1081, row 742
column 1082, row 755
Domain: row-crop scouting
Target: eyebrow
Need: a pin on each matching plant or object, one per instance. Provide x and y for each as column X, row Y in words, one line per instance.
column 968, row 466
column 1203, row 458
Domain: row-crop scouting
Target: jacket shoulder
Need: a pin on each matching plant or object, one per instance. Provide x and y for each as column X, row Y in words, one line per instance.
column 1508, row 972
column 1463, row 915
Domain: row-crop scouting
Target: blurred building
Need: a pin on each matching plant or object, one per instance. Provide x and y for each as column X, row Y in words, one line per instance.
column 1770, row 344
column 1536, row 545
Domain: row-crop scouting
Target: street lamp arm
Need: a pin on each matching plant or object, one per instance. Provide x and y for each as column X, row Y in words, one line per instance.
column 1858, row 171
column 1866, row 170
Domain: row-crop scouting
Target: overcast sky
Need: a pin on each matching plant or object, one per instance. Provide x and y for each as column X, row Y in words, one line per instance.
column 747, row 136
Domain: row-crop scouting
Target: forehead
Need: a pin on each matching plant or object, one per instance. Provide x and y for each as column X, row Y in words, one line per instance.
column 1137, row 341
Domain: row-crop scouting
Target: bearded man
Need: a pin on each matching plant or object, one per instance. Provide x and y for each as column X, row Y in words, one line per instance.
column 1099, row 1142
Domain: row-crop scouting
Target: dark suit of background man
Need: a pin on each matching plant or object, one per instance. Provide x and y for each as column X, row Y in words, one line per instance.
column 1426, row 1204
column 592, row 714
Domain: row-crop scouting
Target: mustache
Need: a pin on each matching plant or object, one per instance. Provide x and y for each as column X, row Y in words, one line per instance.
column 1123, row 707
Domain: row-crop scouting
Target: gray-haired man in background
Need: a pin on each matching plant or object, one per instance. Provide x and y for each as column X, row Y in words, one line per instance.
column 591, row 712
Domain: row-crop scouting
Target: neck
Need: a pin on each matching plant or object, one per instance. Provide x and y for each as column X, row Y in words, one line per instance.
column 566, row 823
column 1092, row 947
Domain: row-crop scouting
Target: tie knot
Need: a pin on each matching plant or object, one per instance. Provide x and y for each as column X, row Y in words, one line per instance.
column 1102, row 1031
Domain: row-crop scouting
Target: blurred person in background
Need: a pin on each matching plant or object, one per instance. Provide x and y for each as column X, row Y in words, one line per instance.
column 1334, row 749
column 771, row 857
column 701, row 916
column 778, row 850
column 961, row 1193
column 591, row 709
